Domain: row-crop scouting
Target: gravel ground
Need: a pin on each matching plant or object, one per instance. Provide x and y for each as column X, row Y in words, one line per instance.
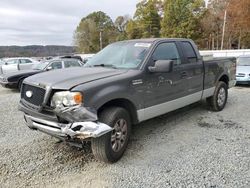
column 191, row 147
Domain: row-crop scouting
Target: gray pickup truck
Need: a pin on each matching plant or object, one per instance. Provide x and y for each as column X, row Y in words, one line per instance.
column 126, row 83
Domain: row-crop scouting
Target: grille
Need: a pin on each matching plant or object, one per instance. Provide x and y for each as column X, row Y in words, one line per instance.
column 240, row 75
column 37, row 94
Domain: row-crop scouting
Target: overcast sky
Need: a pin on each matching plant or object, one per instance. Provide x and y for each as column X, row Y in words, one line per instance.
column 26, row 22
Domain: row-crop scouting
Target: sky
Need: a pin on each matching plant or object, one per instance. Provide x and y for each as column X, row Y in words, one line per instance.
column 43, row 22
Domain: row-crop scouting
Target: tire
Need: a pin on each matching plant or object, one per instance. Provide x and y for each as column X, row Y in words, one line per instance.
column 105, row 149
column 218, row 101
column 19, row 86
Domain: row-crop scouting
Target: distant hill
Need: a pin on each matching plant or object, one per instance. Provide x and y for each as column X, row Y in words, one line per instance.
column 35, row 51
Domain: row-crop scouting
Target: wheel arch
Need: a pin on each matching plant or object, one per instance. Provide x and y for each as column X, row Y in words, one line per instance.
column 224, row 78
column 124, row 103
column 21, row 79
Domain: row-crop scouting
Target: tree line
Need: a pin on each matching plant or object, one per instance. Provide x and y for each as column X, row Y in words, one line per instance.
column 219, row 24
column 35, row 51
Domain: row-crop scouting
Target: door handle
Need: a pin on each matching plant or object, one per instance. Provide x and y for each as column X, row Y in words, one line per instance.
column 184, row 74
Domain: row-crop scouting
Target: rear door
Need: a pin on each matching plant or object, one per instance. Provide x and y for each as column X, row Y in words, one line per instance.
column 192, row 68
column 25, row 64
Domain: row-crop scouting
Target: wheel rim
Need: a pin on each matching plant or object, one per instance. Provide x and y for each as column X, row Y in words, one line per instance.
column 221, row 97
column 119, row 135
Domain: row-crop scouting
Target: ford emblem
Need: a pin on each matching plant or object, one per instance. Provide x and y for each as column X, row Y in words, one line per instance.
column 29, row 94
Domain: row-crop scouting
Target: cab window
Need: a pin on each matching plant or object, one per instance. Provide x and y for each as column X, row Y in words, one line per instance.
column 167, row 51
column 189, row 52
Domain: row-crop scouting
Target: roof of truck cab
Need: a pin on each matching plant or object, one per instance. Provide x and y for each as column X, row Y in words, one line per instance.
column 157, row 39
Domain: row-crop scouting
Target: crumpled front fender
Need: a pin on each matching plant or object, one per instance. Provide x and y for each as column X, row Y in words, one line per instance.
column 77, row 113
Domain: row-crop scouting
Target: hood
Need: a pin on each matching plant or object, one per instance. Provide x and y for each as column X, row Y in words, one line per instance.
column 243, row 69
column 20, row 73
column 66, row 79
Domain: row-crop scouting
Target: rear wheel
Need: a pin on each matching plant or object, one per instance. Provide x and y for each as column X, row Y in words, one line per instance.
column 218, row 101
column 111, row 146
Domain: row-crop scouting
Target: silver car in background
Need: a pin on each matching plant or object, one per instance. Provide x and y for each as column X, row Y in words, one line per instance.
column 16, row 64
column 243, row 70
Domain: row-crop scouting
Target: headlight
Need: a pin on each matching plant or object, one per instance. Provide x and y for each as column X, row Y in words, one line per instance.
column 66, row 99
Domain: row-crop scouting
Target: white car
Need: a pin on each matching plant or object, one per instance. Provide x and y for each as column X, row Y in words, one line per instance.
column 243, row 70
column 16, row 64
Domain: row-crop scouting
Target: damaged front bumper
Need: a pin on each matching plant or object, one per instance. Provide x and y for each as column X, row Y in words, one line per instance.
column 80, row 130
column 82, row 124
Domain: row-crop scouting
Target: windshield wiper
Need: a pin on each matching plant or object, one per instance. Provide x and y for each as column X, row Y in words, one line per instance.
column 105, row 65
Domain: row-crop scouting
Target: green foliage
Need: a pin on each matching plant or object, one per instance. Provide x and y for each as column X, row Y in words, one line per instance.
column 121, row 23
column 133, row 30
column 87, row 34
column 146, row 21
column 181, row 18
column 170, row 18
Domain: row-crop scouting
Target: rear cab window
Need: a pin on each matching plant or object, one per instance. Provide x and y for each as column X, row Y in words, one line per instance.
column 189, row 52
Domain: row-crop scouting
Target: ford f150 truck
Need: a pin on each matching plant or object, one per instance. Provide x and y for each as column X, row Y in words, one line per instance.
column 126, row 83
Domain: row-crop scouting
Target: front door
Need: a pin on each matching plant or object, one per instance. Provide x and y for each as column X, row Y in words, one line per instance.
column 162, row 89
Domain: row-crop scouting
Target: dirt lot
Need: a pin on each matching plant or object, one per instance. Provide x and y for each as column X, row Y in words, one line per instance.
column 191, row 147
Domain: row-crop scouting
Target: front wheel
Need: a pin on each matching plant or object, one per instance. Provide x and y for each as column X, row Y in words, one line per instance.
column 219, row 99
column 111, row 146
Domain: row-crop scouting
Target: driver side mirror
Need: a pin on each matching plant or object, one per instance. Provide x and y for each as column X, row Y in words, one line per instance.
column 49, row 68
column 162, row 66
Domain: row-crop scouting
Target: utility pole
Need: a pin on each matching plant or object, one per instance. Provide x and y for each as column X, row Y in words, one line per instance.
column 223, row 29
column 224, row 26
column 100, row 39
column 101, row 26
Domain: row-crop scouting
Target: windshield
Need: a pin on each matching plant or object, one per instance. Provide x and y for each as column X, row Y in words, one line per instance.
column 40, row 66
column 244, row 61
column 126, row 55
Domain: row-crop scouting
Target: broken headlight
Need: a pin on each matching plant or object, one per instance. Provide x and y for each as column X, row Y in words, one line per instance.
column 66, row 99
